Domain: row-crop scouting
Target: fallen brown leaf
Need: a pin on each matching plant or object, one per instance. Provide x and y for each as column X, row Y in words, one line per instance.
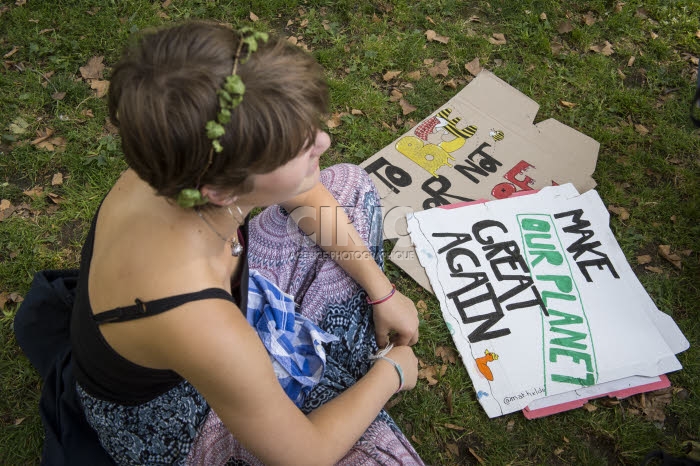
column 474, row 19
column 651, row 268
column 641, row 129
column 567, row 104
column 335, row 120
column 166, row 3
column 451, row 83
column 619, row 211
column 543, row 16
column 58, row 95
column 497, row 39
column 35, row 191
column 473, row 67
column 430, row 20
column 87, row 112
column 44, row 31
column 452, row 449
column 510, row 426
column 395, row 96
column 5, row 204
column 100, row 86
column 644, row 259
column 428, row 61
column 416, row 440
column 304, row 23
column 375, row 18
column 589, row 407
column 355, row 111
column 389, row 75
column 93, row 69
column 589, row 18
column 57, row 179
column 441, row 69
column 447, row 354
column 697, row 33
column 564, row 27
column 253, row 17
column 406, row 108
column 630, row 62
column 621, row 74
column 687, row 252
column 292, row 40
column 433, row 36
column 55, row 198
column 558, row 451
column 665, row 252
column 430, row 372
column 653, row 35
column 605, row 48
column 618, row 7
column 413, row 75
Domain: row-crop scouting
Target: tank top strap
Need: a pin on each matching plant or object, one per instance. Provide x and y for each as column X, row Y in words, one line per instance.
column 150, row 308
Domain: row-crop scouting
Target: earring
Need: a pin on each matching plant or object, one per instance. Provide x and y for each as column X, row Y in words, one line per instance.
column 236, row 246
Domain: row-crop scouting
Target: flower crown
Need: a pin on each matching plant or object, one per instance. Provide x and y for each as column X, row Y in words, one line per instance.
column 230, row 96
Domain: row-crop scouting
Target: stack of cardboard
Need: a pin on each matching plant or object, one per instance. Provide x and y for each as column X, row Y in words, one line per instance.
column 543, row 308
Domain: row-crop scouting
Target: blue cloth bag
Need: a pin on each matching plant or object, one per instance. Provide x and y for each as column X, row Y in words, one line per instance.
column 295, row 344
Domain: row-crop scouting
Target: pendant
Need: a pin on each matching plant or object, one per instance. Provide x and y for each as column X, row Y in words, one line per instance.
column 236, row 248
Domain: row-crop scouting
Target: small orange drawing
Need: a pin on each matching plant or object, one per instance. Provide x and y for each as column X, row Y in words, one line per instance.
column 482, row 364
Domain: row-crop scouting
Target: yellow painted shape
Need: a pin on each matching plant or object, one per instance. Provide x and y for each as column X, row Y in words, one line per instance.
column 429, row 156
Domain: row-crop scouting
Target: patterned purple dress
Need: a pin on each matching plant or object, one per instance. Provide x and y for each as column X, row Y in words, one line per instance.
column 325, row 294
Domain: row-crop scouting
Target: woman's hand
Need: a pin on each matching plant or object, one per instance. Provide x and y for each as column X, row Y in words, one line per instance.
column 404, row 357
column 398, row 316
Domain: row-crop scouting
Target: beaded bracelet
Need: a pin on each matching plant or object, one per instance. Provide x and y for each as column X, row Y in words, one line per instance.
column 398, row 371
column 385, row 298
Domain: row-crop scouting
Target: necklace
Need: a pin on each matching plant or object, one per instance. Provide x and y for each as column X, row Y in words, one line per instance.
column 236, row 246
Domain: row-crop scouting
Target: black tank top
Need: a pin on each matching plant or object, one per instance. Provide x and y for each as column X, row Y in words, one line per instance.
column 98, row 368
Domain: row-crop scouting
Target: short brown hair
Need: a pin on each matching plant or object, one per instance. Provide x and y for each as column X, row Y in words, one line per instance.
column 163, row 92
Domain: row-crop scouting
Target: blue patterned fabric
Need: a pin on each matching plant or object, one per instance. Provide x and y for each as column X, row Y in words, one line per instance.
column 295, row 344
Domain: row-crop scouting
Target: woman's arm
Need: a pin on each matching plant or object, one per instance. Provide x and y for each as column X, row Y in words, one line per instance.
column 212, row 346
column 319, row 215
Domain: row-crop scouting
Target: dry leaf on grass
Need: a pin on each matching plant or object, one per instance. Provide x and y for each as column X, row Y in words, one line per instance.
column 446, row 354
column 422, row 307
column 605, row 48
column 630, row 62
column 452, row 449
column 644, row 259
column 406, row 108
column 433, row 36
column 589, row 407
column 34, row 192
column 641, row 129
column 441, row 69
column 389, row 75
column 5, row 204
column 543, row 16
column 87, row 112
column 395, row 96
column 619, row 211
column 589, row 18
column 57, row 179
column 413, row 75
column 335, row 119
column 697, row 33
column 558, row 451
column 473, row 67
column 665, row 252
column 166, row 3
column 654, row 269
column 355, row 111
column 642, row 13
column 429, row 19
column 497, row 39
column 253, row 17
column 564, row 27
column 42, row 135
column 101, row 86
column 567, row 104
column 58, row 95
column 510, row 426
column 93, row 69
column 430, row 372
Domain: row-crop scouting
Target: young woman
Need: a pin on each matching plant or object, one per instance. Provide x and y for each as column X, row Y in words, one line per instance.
column 198, row 333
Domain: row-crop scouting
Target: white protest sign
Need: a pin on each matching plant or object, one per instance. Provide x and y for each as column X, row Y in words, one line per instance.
column 539, row 298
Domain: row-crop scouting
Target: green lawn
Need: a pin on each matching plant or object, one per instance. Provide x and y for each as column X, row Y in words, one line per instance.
column 634, row 101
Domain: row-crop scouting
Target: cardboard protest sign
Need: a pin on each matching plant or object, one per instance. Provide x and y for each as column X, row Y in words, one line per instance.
column 539, row 298
column 481, row 144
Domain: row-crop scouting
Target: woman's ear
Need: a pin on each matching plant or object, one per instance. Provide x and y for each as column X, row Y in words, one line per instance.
column 218, row 197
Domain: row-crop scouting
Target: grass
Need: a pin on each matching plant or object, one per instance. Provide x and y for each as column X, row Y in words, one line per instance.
column 653, row 175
